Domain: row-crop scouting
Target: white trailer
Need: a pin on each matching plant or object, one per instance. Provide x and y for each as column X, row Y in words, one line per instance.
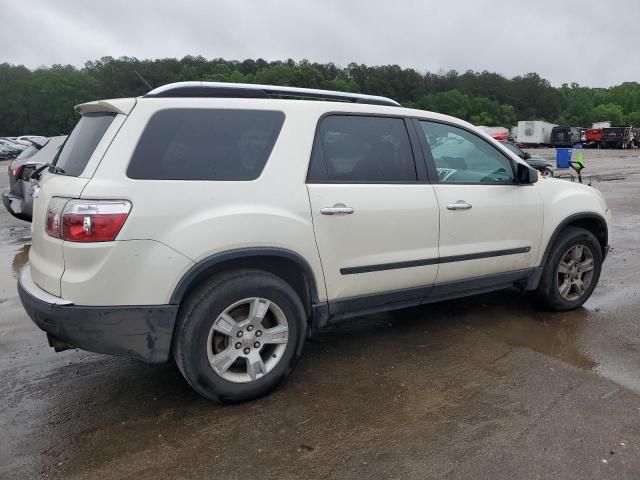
column 534, row 132
column 601, row 125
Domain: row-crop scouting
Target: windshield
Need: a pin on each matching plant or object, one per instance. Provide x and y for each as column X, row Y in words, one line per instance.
column 84, row 139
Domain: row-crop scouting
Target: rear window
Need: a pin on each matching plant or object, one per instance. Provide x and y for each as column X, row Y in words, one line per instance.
column 28, row 152
column 84, row 139
column 206, row 144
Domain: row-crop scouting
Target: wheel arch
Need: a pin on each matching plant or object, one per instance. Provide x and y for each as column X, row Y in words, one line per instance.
column 286, row 264
column 592, row 222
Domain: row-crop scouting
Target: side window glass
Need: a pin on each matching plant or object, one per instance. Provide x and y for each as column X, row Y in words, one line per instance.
column 462, row 157
column 363, row 149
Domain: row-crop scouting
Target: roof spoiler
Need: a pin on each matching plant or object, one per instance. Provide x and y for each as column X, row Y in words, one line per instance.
column 117, row 105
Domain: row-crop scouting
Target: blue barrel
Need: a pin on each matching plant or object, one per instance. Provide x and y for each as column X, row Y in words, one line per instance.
column 563, row 157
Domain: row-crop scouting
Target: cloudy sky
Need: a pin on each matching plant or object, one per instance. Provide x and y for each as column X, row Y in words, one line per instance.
column 592, row 42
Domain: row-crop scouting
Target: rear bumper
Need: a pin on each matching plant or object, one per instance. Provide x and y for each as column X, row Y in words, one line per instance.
column 17, row 206
column 12, row 203
column 143, row 332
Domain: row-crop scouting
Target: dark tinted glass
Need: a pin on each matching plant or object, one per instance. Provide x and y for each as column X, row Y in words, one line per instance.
column 83, row 141
column 205, row 144
column 363, row 149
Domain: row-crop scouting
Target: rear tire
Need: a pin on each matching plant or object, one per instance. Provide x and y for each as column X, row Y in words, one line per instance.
column 572, row 270
column 239, row 335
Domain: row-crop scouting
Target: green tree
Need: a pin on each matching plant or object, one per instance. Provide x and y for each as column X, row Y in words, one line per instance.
column 41, row 100
column 608, row 113
column 632, row 118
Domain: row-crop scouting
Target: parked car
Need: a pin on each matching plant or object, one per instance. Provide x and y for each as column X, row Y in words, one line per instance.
column 10, row 142
column 544, row 166
column 566, row 136
column 218, row 223
column 9, row 149
column 497, row 133
column 6, row 153
column 18, row 200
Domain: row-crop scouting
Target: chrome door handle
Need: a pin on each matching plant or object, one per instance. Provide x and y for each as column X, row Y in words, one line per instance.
column 338, row 209
column 459, row 205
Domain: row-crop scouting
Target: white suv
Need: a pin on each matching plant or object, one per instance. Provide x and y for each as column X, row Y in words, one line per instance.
column 219, row 223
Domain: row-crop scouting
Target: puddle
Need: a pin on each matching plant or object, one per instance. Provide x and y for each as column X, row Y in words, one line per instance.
column 557, row 336
column 20, row 259
column 15, row 234
column 608, row 178
column 566, row 337
column 15, row 242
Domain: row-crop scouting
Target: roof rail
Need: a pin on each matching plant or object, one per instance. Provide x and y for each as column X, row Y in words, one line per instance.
column 248, row 90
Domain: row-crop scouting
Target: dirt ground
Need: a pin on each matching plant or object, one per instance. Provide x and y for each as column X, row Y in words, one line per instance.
column 485, row 387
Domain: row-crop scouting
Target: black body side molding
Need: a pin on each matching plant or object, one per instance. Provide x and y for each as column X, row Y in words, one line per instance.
column 410, row 297
column 432, row 261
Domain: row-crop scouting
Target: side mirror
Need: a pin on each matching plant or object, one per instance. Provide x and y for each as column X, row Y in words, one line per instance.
column 526, row 155
column 526, row 174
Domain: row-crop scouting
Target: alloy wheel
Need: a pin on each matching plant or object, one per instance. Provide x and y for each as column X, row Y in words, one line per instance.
column 247, row 340
column 575, row 272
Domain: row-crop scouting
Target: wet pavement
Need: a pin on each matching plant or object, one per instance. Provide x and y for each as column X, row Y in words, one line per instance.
column 484, row 387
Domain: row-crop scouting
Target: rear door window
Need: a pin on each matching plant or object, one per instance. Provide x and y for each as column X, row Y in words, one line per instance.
column 206, row 144
column 83, row 140
column 362, row 149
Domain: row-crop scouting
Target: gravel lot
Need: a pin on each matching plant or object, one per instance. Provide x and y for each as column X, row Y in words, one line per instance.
column 485, row 387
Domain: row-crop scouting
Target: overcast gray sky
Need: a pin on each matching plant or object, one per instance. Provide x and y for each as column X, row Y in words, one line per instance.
column 592, row 42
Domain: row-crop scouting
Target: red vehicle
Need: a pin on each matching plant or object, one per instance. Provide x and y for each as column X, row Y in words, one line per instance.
column 498, row 133
column 501, row 136
column 593, row 137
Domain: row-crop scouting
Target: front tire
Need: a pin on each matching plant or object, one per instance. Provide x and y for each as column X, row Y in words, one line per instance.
column 547, row 172
column 239, row 335
column 572, row 270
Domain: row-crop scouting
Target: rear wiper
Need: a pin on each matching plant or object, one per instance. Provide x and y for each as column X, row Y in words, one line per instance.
column 52, row 168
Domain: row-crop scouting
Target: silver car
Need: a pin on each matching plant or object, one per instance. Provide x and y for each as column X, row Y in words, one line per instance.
column 19, row 200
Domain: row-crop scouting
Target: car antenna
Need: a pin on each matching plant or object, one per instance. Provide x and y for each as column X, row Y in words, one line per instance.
column 148, row 85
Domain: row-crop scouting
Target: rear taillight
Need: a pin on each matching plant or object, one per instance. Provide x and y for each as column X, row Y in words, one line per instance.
column 16, row 171
column 54, row 216
column 86, row 220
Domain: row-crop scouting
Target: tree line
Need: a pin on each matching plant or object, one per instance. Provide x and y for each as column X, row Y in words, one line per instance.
column 40, row 101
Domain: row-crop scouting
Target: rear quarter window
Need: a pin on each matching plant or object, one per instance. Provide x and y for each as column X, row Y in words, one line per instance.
column 205, row 144
column 83, row 140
